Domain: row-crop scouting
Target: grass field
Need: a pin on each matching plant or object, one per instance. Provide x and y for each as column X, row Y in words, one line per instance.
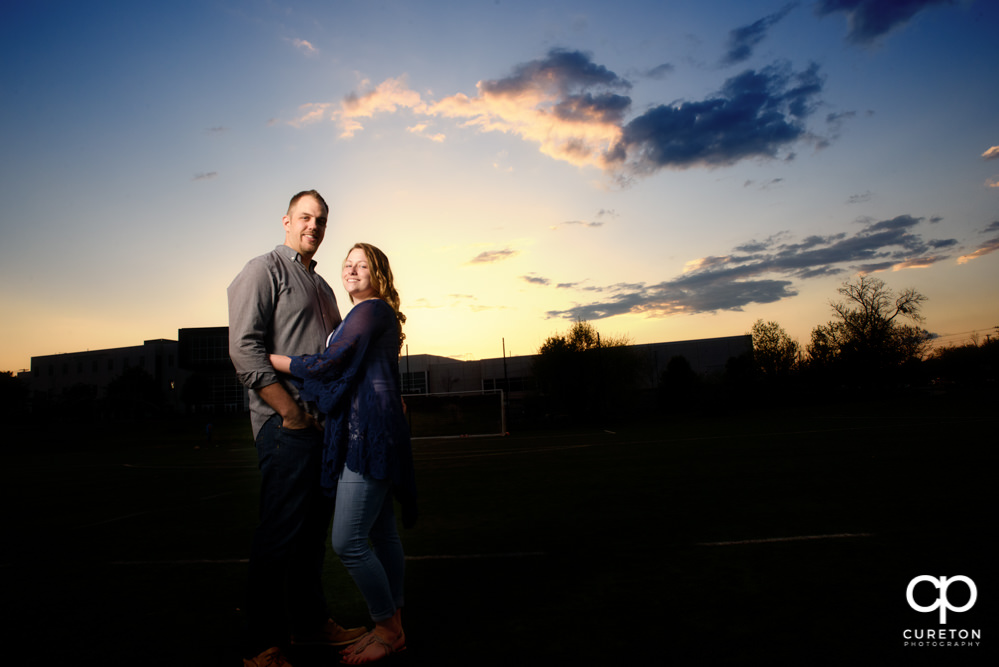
column 786, row 537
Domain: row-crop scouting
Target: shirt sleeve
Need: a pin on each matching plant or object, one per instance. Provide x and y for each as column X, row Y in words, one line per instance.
column 252, row 296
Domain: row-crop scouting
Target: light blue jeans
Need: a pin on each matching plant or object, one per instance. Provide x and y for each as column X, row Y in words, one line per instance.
column 364, row 511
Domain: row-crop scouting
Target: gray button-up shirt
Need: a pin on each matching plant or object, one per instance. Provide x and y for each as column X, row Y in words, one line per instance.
column 276, row 306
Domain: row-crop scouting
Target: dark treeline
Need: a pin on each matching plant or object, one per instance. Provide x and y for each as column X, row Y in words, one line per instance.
column 872, row 349
column 132, row 396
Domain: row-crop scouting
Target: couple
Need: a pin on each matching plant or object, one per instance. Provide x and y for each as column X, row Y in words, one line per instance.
column 360, row 458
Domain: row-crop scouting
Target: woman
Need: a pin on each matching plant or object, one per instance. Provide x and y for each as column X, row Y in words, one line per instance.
column 368, row 458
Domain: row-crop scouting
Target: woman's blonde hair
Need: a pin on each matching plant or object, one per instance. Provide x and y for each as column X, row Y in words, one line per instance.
column 382, row 280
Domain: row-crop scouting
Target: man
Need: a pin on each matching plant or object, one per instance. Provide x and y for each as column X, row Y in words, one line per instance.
column 279, row 304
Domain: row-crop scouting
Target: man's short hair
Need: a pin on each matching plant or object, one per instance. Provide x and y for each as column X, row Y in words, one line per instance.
column 309, row 193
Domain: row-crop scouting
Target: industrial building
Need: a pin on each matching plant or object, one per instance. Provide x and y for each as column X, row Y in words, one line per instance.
column 195, row 374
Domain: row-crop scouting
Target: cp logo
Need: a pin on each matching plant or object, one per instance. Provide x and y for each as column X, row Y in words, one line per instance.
column 941, row 584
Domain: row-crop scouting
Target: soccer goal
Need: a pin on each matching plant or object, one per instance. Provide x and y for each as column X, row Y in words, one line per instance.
column 459, row 414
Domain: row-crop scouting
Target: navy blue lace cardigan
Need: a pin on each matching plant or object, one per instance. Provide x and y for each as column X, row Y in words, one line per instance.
column 356, row 384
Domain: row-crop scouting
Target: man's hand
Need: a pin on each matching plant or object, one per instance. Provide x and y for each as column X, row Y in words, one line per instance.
column 293, row 417
column 300, row 421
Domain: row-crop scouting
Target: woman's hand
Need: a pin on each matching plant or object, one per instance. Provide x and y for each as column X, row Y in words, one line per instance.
column 281, row 363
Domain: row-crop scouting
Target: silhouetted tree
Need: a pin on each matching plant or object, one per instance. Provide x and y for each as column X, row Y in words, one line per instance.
column 13, row 394
column 134, row 394
column 678, row 385
column 740, row 370
column 775, row 353
column 974, row 365
column 582, row 374
column 582, row 336
column 867, row 341
column 77, row 403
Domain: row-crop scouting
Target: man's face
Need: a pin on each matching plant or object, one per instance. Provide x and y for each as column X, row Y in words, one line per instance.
column 305, row 226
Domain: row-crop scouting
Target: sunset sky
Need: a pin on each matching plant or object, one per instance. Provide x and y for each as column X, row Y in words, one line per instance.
column 667, row 170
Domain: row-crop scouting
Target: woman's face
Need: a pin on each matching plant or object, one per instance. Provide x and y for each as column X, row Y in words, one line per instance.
column 357, row 276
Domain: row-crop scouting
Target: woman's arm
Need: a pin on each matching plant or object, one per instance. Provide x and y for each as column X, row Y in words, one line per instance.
column 328, row 377
column 348, row 346
column 281, row 363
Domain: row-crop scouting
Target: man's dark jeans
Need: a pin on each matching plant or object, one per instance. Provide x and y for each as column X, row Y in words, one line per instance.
column 285, row 588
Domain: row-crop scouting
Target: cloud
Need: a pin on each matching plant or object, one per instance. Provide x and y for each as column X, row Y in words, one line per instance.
column 207, row 176
column 217, row 130
column 765, row 185
column 387, row 97
column 868, row 20
column 564, row 102
column 578, row 111
column 985, row 248
column 305, row 47
column 989, row 246
column 470, row 302
column 992, row 153
column 835, row 122
column 561, row 70
column 579, row 223
column 861, row 198
column 453, row 301
column 602, row 213
column 309, row 113
column 660, row 71
column 421, row 303
column 755, row 115
column 536, row 280
column 492, row 256
column 766, row 271
column 753, row 246
column 742, row 41
column 420, row 129
column 916, row 263
column 900, row 222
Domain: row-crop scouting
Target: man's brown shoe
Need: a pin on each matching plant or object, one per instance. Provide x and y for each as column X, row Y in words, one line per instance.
column 272, row 657
column 330, row 634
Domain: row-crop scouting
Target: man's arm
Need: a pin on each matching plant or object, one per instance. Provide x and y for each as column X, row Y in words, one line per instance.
column 252, row 299
column 292, row 414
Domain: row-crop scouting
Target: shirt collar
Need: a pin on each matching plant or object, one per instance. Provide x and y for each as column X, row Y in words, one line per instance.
column 293, row 256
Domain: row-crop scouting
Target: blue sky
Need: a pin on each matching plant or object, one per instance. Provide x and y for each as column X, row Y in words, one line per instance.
column 666, row 170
